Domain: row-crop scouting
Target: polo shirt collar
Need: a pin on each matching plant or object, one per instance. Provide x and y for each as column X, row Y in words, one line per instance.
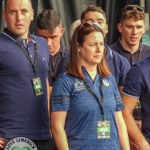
column 87, row 76
column 15, row 38
column 126, row 51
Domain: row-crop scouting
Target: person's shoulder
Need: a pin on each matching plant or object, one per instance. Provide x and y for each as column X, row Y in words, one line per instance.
column 116, row 56
column 110, row 78
column 145, row 48
column 114, row 46
column 143, row 63
column 66, row 51
column 3, row 37
column 66, row 79
column 38, row 38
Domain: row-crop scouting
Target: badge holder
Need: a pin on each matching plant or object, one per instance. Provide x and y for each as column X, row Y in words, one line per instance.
column 37, row 85
column 103, row 129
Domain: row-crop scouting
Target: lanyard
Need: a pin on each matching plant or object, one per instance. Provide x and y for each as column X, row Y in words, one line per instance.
column 34, row 63
column 101, row 100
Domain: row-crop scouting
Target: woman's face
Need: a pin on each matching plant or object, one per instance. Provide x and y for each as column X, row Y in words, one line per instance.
column 92, row 49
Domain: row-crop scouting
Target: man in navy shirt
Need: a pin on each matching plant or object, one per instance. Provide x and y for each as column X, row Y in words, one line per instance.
column 132, row 27
column 137, row 86
column 49, row 26
column 23, row 79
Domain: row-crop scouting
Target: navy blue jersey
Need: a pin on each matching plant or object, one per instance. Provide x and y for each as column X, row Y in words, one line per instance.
column 83, row 110
column 22, row 114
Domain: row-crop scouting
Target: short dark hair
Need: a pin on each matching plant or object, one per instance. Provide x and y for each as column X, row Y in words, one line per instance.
column 93, row 8
column 132, row 11
column 49, row 19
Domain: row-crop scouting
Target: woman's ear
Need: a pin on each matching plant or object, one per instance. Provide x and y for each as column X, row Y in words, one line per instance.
column 79, row 48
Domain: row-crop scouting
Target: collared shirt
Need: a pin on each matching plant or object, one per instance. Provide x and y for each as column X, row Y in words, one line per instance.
column 54, row 63
column 138, row 85
column 141, row 53
column 22, row 114
column 83, row 110
column 119, row 66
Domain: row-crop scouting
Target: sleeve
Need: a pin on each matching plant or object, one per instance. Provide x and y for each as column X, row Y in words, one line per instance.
column 60, row 97
column 125, row 67
column 134, row 84
column 63, row 65
column 118, row 99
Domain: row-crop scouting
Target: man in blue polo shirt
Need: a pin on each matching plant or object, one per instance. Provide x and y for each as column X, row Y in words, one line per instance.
column 23, row 79
column 132, row 27
column 137, row 86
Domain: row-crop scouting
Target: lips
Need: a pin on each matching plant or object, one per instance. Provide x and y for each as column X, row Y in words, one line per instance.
column 19, row 25
column 133, row 39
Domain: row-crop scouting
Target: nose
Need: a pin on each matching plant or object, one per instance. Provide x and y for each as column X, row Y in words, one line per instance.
column 49, row 41
column 99, row 47
column 134, row 30
column 19, row 15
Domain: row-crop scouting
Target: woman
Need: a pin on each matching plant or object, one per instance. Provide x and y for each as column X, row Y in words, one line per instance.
column 86, row 105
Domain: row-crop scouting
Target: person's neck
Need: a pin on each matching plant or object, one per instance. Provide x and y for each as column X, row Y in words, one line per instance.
column 130, row 48
column 92, row 71
column 55, row 52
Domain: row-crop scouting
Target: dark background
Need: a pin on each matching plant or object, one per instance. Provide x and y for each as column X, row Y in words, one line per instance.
column 70, row 11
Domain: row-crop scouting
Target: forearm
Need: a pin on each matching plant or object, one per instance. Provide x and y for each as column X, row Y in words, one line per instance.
column 134, row 132
column 123, row 137
column 60, row 139
column 122, row 130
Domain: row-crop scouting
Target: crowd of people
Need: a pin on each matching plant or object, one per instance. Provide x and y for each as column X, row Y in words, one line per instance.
column 90, row 96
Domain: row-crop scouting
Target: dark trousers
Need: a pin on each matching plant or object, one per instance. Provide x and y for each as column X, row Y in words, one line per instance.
column 44, row 145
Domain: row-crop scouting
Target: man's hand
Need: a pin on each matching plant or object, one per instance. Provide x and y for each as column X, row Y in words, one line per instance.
column 1, row 142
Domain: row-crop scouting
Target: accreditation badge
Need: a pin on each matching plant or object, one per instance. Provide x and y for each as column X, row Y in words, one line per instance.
column 103, row 129
column 37, row 85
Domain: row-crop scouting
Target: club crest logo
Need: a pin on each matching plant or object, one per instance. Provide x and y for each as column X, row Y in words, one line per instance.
column 105, row 82
column 79, row 85
column 20, row 143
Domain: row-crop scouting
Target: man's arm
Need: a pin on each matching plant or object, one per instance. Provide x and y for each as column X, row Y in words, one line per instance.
column 57, row 126
column 121, row 90
column 133, row 130
column 49, row 90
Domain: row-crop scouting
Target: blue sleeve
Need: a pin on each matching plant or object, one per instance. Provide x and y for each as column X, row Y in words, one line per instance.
column 63, row 65
column 134, row 84
column 125, row 67
column 60, row 96
column 118, row 99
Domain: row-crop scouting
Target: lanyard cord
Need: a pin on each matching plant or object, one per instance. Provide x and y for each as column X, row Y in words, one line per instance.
column 99, row 101
column 34, row 63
